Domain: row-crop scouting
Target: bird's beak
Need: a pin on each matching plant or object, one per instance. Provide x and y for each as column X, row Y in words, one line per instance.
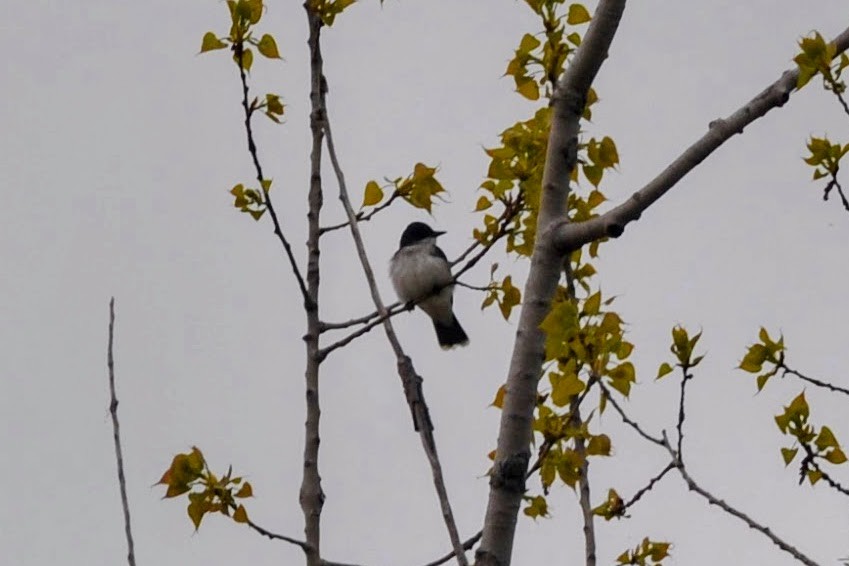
column 435, row 234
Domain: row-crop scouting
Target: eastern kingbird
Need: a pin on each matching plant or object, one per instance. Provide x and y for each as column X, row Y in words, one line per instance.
column 420, row 272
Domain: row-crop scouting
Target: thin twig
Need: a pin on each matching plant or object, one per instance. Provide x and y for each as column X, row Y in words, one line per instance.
column 362, row 217
column 641, row 492
column 325, row 351
column 628, row 421
column 274, row 536
column 584, row 489
column 809, row 462
column 304, row 546
column 686, row 376
column 835, row 184
column 713, row 500
column 467, row 545
column 116, row 434
column 411, row 381
column 812, row 380
column 511, row 209
column 278, row 230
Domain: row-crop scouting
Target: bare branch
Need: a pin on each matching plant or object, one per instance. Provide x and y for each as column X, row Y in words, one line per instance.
column 362, row 217
column 571, row 236
column 584, row 489
column 274, row 536
column 411, row 381
column 278, row 230
column 686, row 376
column 713, row 500
column 811, row 380
column 116, row 434
column 304, row 546
column 467, row 545
column 652, row 482
column 628, row 421
column 311, row 494
column 323, row 353
column 835, row 184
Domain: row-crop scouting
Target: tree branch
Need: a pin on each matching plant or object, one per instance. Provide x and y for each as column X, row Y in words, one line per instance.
column 811, row 380
column 411, row 381
column 713, row 500
column 116, row 434
column 467, row 545
column 311, row 494
column 584, row 488
column 571, row 236
column 278, row 230
column 507, row 480
column 362, row 217
column 641, row 492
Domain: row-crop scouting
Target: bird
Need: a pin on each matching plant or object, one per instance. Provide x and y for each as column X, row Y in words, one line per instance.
column 421, row 275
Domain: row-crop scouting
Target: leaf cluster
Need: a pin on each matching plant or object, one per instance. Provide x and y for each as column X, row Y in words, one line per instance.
column 207, row 493
column 647, row 553
column 420, row 189
column 538, row 63
column 244, row 15
column 818, row 445
column 682, row 348
column 767, row 352
column 327, row 10
column 817, row 56
column 251, row 201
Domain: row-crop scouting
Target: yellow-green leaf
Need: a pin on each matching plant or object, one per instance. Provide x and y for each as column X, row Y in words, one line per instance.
column 482, row 204
column 241, row 514
column 665, row 369
column 528, row 88
column 211, row 42
column 268, row 47
column 787, row 454
column 836, row 456
column 245, row 491
column 578, row 14
column 373, row 194
column 599, row 445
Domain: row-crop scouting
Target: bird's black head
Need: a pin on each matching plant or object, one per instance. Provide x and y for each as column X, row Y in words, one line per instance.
column 416, row 232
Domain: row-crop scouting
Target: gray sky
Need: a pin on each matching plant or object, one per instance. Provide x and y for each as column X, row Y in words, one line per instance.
column 120, row 146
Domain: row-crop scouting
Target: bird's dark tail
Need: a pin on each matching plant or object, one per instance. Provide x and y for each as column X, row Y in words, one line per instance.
column 450, row 335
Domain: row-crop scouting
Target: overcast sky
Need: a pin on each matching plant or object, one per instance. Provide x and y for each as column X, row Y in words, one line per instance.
column 118, row 150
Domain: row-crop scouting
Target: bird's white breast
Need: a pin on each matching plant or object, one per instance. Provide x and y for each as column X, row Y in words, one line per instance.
column 415, row 273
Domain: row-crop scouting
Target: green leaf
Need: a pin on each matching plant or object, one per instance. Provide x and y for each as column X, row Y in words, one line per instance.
column 787, row 454
column 196, row 510
column 665, row 369
column 245, row 491
column 826, row 439
column 578, row 14
column 754, row 359
column 247, row 59
column 241, row 514
column 528, row 43
column 527, row 88
column 565, row 387
column 373, row 194
column 211, row 42
column 268, row 47
column 599, row 445
column 538, row 507
column 592, row 304
column 482, row 204
column 836, row 456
